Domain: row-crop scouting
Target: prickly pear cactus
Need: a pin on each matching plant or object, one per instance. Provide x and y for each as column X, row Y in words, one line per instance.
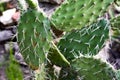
column 34, row 35
column 88, row 68
column 78, row 13
column 115, row 23
column 86, row 41
column 56, row 57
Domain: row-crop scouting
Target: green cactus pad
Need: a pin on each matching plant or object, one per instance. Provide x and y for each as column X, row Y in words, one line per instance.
column 34, row 37
column 86, row 68
column 86, row 41
column 78, row 13
column 115, row 23
column 57, row 58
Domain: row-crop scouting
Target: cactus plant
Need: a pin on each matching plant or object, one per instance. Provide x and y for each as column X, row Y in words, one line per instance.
column 87, row 38
column 78, row 13
column 86, row 41
column 88, row 68
column 34, row 37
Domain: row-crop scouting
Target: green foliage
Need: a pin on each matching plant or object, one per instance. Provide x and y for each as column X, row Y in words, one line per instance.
column 88, row 68
column 78, row 13
column 86, row 41
column 2, row 7
column 13, row 70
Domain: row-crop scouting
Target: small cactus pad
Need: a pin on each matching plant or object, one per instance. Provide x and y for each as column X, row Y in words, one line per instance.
column 115, row 23
column 56, row 57
column 78, row 13
column 88, row 68
column 34, row 37
column 86, row 41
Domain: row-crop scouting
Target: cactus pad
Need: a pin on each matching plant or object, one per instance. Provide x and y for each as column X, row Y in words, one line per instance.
column 86, row 68
column 34, row 37
column 87, row 41
column 78, row 13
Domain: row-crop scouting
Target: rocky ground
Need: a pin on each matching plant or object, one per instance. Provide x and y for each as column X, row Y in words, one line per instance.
column 8, row 30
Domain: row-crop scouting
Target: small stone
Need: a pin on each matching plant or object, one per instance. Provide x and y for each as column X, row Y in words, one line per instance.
column 6, row 35
column 2, row 59
column 6, row 18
